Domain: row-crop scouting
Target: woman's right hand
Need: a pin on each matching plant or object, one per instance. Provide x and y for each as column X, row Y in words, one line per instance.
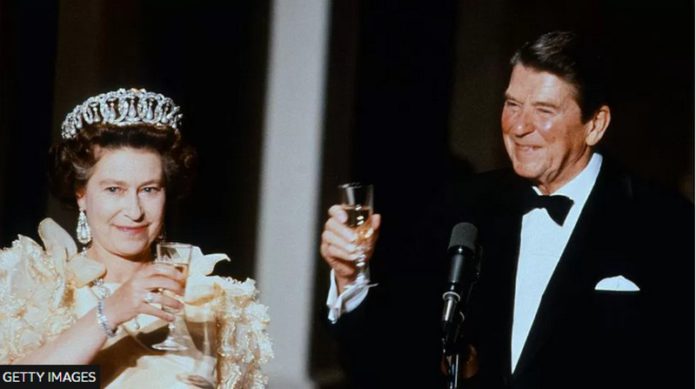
column 338, row 246
column 129, row 300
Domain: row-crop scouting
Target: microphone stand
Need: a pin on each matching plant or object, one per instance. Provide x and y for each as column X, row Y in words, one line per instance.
column 464, row 273
column 454, row 350
column 453, row 355
column 454, row 364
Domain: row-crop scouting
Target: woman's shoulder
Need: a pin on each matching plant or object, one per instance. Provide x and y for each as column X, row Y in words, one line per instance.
column 50, row 258
column 244, row 345
column 230, row 293
column 57, row 255
column 35, row 292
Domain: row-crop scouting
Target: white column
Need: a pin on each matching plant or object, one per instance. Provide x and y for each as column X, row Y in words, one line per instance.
column 287, row 241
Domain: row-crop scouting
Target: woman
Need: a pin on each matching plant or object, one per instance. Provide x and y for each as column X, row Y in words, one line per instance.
column 120, row 159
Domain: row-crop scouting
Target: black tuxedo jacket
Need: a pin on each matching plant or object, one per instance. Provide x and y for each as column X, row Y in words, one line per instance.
column 580, row 337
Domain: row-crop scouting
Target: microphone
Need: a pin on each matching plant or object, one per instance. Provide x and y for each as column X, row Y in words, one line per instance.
column 464, row 272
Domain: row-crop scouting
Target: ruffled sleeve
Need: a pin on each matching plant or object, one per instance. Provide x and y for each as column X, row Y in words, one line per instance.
column 35, row 295
column 243, row 345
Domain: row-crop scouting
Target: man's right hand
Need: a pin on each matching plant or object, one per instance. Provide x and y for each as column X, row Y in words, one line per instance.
column 338, row 246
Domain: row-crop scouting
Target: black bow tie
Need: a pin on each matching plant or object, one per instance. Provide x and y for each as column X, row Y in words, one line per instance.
column 557, row 206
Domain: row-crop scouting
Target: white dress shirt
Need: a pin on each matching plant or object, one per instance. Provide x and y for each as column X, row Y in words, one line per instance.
column 542, row 242
column 348, row 300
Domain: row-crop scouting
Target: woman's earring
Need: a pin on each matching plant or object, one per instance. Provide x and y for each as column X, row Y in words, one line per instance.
column 84, row 234
column 162, row 235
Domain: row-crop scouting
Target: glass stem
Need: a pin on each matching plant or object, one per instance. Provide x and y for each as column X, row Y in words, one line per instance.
column 361, row 266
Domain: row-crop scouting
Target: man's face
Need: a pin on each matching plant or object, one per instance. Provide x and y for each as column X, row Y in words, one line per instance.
column 542, row 128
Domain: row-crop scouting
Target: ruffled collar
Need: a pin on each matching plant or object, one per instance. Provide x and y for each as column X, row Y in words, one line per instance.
column 60, row 245
column 85, row 270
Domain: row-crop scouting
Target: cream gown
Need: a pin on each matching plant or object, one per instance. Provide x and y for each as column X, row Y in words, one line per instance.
column 43, row 291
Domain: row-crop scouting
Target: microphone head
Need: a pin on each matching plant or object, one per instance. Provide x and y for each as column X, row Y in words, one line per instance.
column 464, row 234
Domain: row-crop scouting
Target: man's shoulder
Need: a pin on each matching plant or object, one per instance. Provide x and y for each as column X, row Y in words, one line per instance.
column 484, row 183
column 468, row 197
column 485, row 186
column 643, row 207
column 496, row 179
column 642, row 192
column 659, row 205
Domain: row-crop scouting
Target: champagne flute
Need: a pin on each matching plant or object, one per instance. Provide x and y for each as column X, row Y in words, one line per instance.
column 356, row 200
column 177, row 255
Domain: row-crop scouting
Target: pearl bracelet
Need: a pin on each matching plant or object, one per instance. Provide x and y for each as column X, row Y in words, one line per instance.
column 101, row 319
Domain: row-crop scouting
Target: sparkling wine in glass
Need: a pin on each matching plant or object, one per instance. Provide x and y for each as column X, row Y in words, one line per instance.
column 177, row 255
column 356, row 200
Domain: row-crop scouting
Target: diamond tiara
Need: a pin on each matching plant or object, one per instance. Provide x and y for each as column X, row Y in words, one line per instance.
column 123, row 108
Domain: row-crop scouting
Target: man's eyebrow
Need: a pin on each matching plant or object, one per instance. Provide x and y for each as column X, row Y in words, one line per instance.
column 545, row 104
column 508, row 96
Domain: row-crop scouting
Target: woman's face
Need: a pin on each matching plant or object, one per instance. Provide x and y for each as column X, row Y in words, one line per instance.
column 124, row 201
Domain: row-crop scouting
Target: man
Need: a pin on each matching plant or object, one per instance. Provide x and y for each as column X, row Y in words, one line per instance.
column 582, row 292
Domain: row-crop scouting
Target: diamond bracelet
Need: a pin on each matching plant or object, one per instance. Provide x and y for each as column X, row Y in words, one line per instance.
column 101, row 319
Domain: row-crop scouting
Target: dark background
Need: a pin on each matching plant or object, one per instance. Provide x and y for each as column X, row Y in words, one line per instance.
column 413, row 98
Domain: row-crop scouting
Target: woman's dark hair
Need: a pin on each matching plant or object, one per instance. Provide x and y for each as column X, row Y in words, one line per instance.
column 71, row 160
column 567, row 56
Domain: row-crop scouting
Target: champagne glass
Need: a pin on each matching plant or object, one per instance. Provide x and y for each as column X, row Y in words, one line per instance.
column 356, row 200
column 177, row 255
column 202, row 326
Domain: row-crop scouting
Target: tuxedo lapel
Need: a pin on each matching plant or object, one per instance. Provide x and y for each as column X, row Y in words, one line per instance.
column 575, row 268
column 501, row 220
column 565, row 279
